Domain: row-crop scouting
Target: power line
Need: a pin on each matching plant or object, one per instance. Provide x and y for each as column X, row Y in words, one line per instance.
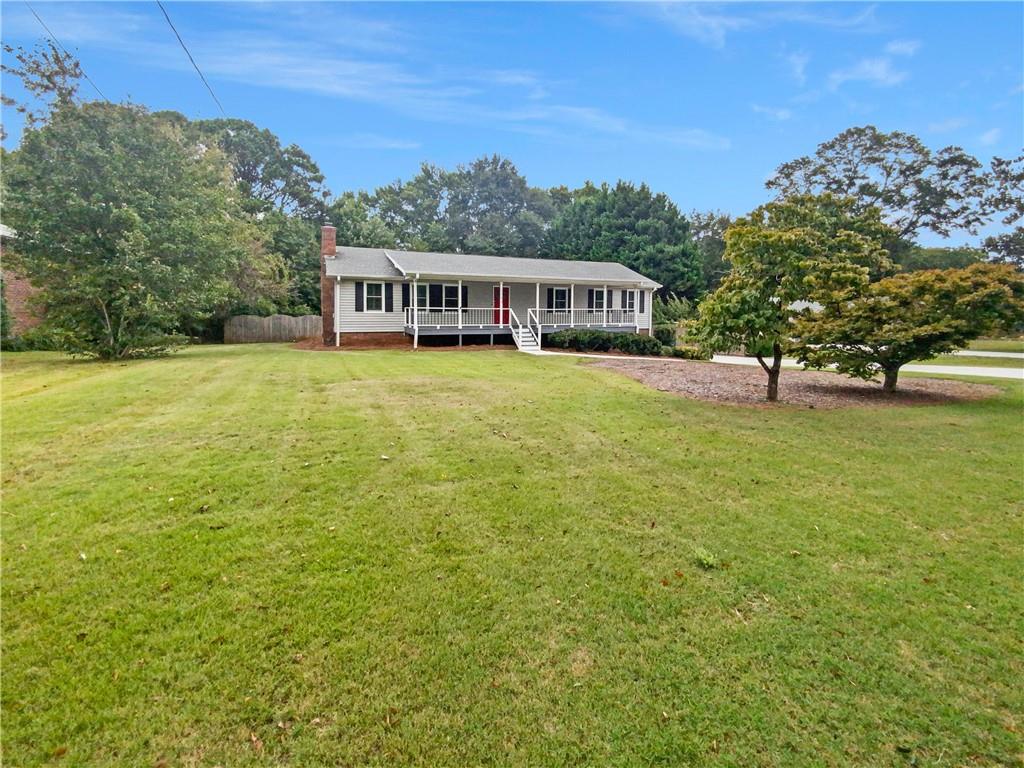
column 185, row 48
column 65, row 50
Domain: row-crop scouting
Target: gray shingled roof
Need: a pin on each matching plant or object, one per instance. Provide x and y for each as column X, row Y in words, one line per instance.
column 361, row 262
column 380, row 262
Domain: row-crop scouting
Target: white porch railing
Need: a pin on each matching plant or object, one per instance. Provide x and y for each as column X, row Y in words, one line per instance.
column 468, row 317
column 484, row 317
column 586, row 317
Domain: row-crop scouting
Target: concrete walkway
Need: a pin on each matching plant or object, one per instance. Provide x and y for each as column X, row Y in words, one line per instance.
column 789, row 362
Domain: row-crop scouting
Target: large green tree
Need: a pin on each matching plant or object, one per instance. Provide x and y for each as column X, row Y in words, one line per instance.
column 913, row 186
column 273, row 176
column 485, row 207
column 910, row 316
column 784, row 256
column 914, row 257
column 708, row 232
column 131, row 231
column 631, row 225
column 1007, row 199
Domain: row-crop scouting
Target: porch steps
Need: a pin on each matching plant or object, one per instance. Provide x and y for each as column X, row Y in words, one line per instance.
column 525, row 341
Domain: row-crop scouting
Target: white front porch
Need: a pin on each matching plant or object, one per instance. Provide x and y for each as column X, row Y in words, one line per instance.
column 524, row 310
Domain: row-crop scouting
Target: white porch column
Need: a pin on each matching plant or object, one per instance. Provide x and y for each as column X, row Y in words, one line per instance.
column 604, row 304
column 501, row 303
column 636, row 307
column 415, row 314
column 572, row 304
column 460, row 312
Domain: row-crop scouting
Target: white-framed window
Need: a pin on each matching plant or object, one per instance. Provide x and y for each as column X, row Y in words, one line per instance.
column 560, row 298
column 422, row 294
column 375, row 297
column 598, row 298
column 630, row 301
column 450, row 296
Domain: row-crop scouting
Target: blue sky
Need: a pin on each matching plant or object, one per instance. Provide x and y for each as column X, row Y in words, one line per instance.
column 701, row 101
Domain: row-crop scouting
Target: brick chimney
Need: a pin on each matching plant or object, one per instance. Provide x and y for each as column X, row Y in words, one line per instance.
column 327, row 284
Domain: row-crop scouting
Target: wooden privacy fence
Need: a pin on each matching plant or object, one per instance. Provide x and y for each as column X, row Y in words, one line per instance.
column 247, row 329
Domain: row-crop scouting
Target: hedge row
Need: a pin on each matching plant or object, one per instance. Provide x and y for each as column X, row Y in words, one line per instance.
column 583, row 340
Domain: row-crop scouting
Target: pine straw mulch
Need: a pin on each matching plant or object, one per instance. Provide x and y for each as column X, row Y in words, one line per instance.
column 745, row 385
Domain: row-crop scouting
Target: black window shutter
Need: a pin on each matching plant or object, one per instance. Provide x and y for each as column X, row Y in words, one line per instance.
column 590, row 298
column 642, row 295
column 359, row 297
column 624, row 299
column 551, row 298
column 434, row 296
column 405, row 296
column 608, row 299
column 465, row 296
column 389, row 297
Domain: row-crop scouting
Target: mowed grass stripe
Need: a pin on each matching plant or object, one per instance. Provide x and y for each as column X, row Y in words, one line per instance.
column 493, row 592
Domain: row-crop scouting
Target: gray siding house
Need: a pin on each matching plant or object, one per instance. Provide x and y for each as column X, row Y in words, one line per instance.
column 385, row 295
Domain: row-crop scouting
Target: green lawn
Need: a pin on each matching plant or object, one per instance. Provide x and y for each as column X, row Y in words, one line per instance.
column 983, row 362
column 207, row 561
column 998, row 345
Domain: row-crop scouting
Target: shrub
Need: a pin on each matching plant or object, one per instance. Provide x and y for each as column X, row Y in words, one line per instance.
column 691, row 353
column 666, row 334
column 584, row 340
column 671, row 309
column 633, row 344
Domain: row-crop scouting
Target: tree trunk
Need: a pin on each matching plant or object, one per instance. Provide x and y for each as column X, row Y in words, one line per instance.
column 891, row 375
column 773, row 372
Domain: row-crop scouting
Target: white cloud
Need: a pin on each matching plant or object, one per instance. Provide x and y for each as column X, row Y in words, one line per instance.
column 774, row 113
column 988, row 138
column 875, row 71
column 261, row 49
column 947, row 125
column 373, row 141
column 798, row 66
column 903, row 47
column 703, row 23
column 813, row 16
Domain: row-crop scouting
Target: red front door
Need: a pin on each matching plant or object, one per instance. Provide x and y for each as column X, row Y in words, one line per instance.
column 500, row 305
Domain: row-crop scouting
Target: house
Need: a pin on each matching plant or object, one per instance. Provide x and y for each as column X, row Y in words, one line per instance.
column 381, row 296
column 17, row 291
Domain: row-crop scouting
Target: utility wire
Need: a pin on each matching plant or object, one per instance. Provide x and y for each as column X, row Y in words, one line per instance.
column 185, row 48
column 65, row 50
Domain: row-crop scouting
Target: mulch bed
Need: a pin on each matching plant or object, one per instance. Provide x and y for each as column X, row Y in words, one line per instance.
column 746, row 385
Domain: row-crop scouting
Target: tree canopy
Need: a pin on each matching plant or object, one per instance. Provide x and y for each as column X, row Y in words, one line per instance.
column 130, row 231
column 631, row 225
column 914, row 187
column 1007, row 198
column 485, row 207
column 275, row 177
column 910, row 316
column 783, row 256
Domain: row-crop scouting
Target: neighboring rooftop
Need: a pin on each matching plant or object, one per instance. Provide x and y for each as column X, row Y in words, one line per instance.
column 386, row 262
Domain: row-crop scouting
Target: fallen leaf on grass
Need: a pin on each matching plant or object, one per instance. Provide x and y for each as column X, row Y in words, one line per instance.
column 257, row 742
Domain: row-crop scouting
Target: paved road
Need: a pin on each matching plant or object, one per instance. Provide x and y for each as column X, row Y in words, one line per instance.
column 979, row 353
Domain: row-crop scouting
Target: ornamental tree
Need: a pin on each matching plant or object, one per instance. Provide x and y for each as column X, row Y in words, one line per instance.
column 910, row 316
column 783, row 256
